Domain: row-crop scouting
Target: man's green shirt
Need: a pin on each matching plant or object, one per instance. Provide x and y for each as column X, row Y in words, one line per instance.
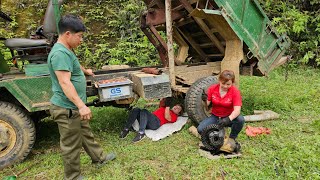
column 62, row 59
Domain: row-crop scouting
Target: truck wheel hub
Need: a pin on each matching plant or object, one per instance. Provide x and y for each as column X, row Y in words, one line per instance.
column 8, row 138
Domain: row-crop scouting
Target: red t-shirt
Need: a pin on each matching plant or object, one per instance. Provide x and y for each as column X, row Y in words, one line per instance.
column 223, row 107
column 160, row 114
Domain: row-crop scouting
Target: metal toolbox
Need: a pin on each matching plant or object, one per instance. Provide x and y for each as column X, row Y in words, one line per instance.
column 114, row 89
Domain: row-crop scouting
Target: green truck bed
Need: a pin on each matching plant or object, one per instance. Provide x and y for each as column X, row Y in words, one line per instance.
column 252, row 25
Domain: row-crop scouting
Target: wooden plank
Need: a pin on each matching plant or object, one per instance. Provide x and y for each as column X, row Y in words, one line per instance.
column 200, row 33
column 155, row 32
column 177, row 8
column 183, row 47
column 195, row 46
column 184, row 22
column 203, row 26
column 206, row 45
column 212, row 30
column 186, row 74
column 216, row 55
column 211, row 36
column 156, row 2
column 179, row 88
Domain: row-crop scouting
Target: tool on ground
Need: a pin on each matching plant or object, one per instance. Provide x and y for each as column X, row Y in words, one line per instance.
column 214, row 140
column 19, row 173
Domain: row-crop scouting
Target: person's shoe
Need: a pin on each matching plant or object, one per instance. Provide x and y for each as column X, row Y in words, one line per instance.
column 124, row 133
column 138, row 137
column 109, row 157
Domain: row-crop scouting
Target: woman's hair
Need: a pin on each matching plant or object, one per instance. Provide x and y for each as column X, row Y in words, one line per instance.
column 227, row 75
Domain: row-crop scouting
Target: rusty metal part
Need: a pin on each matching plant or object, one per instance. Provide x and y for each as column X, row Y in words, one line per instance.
column 8, row 138
column 154, row 71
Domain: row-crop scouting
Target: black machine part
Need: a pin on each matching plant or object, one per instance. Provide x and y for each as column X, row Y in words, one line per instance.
column 212, row 137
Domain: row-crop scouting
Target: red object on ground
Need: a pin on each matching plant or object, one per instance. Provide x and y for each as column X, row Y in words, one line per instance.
column 253, row 131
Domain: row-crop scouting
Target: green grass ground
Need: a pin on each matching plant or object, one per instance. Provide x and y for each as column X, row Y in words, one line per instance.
column 290, row 152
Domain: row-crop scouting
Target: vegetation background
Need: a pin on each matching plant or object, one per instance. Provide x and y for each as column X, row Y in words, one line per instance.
column 114, row 37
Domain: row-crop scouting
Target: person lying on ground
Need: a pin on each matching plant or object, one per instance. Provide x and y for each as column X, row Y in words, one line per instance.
column 148, row 120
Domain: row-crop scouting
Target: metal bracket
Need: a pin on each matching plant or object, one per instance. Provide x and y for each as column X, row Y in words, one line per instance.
column 250, row 55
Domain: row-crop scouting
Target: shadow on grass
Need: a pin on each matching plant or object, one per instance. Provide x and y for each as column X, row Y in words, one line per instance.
column 47, row 134
column 108, row 119
column 105, row 119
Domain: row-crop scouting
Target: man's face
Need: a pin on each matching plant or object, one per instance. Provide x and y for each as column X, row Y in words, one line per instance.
column 74, row 39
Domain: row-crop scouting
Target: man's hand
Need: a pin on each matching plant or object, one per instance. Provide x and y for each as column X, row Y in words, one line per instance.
column 89, row 72
column 85, row 113
column 224, row 122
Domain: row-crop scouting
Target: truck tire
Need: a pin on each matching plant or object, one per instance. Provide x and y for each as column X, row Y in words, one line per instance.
column 17, row 134
column 194, row 104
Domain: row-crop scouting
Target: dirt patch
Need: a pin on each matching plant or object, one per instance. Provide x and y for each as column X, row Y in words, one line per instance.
column 305, row 119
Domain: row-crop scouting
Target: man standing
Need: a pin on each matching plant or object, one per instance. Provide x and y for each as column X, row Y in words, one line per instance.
column 68, row 107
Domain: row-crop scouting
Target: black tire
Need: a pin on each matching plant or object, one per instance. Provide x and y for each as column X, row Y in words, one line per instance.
column 194, row 103
column 212, row 137
column 19, row 133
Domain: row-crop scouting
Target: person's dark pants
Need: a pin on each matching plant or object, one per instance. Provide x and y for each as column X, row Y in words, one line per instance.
column 75, row 134
column 236, row 125
column 146, row 120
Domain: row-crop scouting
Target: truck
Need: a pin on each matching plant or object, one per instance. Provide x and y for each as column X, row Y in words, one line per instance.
column 211, row 35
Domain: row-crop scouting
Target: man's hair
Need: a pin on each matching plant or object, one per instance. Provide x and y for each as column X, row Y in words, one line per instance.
column 71, row 23
column 227, row 75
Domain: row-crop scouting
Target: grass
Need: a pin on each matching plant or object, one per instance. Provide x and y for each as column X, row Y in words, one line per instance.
column 290, row 152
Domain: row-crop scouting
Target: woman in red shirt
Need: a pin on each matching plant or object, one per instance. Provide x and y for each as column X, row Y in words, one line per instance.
column 226, row 105
column 148, row 120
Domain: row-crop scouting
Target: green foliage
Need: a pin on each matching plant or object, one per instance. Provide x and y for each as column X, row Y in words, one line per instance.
column 113, row 36
column 300, row 19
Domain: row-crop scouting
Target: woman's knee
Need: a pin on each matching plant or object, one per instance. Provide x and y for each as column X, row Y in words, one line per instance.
column 240, row 119
column 199, row 128
column 206, row 122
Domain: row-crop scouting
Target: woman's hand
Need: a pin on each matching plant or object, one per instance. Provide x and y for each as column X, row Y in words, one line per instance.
column 167, row 114
column 224, row 122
